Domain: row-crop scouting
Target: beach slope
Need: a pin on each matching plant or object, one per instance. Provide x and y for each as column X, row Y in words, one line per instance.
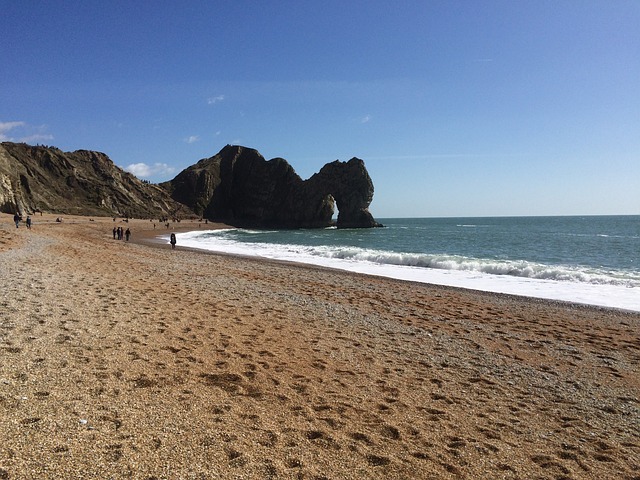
column 120, row 360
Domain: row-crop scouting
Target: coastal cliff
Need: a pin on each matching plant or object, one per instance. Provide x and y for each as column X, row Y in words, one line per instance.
column 83, row 182
column 236, row 186
column 239, row 187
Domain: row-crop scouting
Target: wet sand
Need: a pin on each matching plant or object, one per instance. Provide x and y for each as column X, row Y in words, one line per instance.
column 120, row 360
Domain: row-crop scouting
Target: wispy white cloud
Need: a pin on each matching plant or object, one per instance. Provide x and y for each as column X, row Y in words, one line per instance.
column 36, row 138
column 365, row 119
column 143, row 170
column 23, row 132
column 139, row 169
column 446, row 156
column 6, row 126
column 192, row 139
column 214, row 100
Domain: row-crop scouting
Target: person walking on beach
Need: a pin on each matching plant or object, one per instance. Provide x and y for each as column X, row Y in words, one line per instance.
column 16, row 219
column 29, row 222
column 173, row 241
column 115, row 230
column 127, row 234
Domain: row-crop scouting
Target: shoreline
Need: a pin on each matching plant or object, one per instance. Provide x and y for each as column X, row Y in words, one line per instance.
column 124, row 361
column 153, row 240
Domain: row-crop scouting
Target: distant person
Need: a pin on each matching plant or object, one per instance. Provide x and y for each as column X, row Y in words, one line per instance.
column 173, row 241
column 115, row 231
column 16, row 220
column 127, row 234
column 29, row 222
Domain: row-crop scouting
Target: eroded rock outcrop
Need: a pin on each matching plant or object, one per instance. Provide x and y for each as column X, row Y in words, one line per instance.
column 239, row 187
column 38, row 178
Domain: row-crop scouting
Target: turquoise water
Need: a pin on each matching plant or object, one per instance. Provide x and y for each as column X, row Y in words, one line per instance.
column 578, row 250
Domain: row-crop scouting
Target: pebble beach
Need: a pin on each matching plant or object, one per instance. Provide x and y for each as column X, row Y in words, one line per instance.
column 132, row 360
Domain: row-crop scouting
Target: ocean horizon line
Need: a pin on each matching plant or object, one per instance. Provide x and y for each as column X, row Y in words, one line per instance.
column 509, row 216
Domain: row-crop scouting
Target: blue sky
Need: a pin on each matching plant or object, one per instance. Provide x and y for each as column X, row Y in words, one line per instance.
column 458, row 108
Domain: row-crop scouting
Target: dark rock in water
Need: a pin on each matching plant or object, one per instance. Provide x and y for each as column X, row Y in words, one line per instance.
column 351, row 187
column 239, row 187
column 38, row 178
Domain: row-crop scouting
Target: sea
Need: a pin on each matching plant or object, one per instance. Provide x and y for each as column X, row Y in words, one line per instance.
column 592, row 260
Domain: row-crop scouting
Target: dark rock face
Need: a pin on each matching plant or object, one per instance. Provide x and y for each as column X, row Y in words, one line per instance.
column 81, row 182
column 351, row 187
column 239, row 187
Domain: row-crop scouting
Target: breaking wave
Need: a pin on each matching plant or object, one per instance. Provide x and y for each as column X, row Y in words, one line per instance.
column 593, row 260
column 512, row 268
column 515, row 268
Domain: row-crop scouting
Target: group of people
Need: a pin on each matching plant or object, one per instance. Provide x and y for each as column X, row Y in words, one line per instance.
column 120, row 233
column 17, row 218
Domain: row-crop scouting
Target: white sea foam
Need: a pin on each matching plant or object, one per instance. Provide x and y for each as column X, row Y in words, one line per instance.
column 568, row 283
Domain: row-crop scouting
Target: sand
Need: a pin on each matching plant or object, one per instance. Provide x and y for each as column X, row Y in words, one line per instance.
column 121, row 360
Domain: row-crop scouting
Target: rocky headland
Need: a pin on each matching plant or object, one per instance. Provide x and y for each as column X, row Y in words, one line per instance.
column 237, row 186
